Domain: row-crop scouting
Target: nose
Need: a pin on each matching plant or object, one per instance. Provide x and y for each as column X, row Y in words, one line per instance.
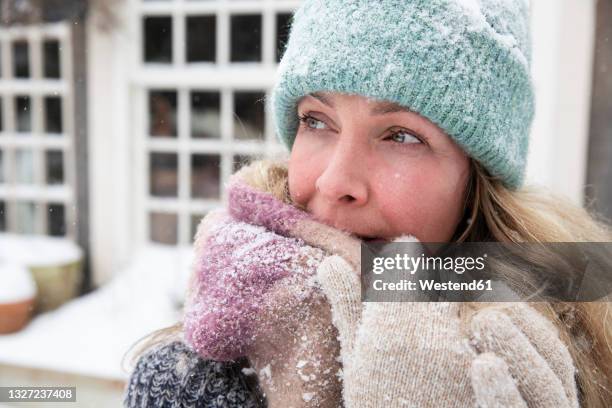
column 344, row 178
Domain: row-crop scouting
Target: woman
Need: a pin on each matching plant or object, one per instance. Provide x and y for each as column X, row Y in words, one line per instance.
column 411, row 120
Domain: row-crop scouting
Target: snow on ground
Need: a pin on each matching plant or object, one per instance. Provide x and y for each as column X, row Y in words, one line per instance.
column 91, row 334
column 16, row 282
column 38, row 250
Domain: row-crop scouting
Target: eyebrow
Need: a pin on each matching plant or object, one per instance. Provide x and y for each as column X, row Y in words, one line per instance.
column 381, row 108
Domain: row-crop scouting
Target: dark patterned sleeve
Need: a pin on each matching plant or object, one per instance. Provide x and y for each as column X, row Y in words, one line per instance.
column 173, row 376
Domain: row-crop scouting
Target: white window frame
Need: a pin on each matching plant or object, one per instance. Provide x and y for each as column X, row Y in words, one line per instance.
column 37, row 87
column 186, row 77
column 562, row 66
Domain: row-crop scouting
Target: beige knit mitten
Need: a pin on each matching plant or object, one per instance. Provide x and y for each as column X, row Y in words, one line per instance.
column 417, row 354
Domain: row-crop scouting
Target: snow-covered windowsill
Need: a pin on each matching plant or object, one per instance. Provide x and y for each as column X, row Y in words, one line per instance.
column 91, row 334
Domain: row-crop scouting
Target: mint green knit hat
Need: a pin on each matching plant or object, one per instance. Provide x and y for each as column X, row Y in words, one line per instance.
column 463, row 64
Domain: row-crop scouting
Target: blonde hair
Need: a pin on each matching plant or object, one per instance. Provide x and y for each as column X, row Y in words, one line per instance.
column 495, row 214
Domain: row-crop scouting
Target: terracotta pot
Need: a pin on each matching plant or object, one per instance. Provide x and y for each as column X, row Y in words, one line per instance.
column 14, row 316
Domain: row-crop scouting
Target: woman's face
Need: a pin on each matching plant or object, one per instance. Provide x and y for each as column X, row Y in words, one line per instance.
column 376, row 169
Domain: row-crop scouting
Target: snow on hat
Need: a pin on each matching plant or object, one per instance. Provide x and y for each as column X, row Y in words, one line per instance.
column 463, row 64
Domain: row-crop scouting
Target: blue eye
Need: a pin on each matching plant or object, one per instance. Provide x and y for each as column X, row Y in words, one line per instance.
column 404, row 137
column 312, row 122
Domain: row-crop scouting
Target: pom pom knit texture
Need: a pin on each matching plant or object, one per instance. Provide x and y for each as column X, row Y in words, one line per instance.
column 173, row 376
column 463, row 64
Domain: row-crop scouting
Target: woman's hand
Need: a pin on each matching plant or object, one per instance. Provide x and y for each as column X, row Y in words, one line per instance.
column 295, row 349
column 296, row 354
column 420, row 354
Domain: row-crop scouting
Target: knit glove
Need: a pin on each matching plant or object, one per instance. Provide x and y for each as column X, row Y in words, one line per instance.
column 253, row 293
column 247, row 281
column 418, row 354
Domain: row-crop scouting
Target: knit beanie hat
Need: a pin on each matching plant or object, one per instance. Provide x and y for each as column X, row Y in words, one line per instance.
column 463, row 64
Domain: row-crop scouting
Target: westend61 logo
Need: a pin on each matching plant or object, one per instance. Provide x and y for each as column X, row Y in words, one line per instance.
column 486, row 272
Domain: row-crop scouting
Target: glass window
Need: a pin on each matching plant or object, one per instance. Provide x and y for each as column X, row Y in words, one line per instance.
column 195, row 221
column 158, row 39
column 52, row 67
column 206, row 115
column 164, row 174
column 24, row 166
column 241, row 160
column 53, row 114
column 56, row 220
column 221, row 127
column 205, row 176
column 54, row 160
column 201, row 38
column 246, row 38
column 32, row 166
column 21, row 59
column 249, row 115
column 23, row 115
column 25, row 217
column 162, row 113
column 283, row 25
column 164, row 228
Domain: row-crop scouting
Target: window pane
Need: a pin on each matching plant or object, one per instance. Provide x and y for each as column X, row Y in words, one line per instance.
column 201, row 38
column 21, row 59
column 54, row 167
column 164, row 174
column 51, row 49
column 56, row 220
column 241, row 160
column 283, row 24
column 205, row 115
column 246, row 38
column 53, row 114
column 26, row 218
column 24, row 166
column 195, row 221
column 162, row 113
column 158, row 39
column 164, row 228
column 3, row 216
column 249, row 115
column 23, row 115
column 205, row 176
